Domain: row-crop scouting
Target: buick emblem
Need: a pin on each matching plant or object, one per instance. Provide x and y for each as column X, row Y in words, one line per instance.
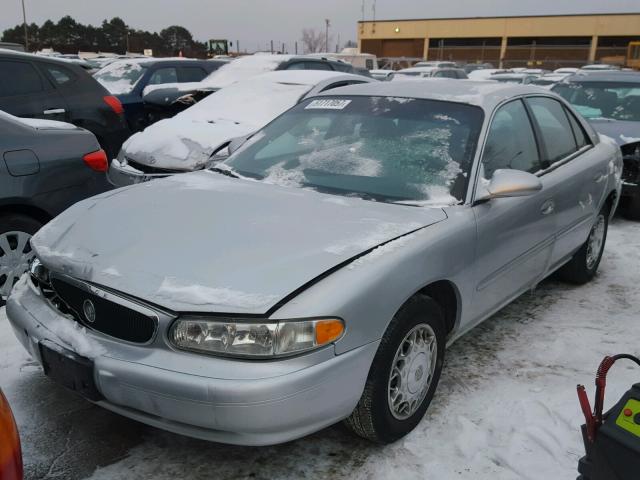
column 89, row 310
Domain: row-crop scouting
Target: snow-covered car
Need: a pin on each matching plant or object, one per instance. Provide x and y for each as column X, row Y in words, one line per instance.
column 333, row 258
column 128, row 78
column 173, row 98
column 610, row 101
column 202, row 134
column 382, row 75
column 486, row 73
column 548, row 80
column 429, row 72
column 514, row 77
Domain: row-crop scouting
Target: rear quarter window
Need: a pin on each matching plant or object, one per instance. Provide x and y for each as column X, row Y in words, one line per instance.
column 59, row 75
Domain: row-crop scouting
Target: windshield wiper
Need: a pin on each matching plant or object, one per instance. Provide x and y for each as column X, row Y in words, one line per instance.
column 224, row 171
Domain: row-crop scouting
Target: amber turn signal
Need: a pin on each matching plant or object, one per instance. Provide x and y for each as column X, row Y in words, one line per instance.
column 328, row 331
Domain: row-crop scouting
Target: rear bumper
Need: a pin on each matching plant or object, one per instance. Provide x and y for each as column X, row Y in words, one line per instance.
column 237, row 407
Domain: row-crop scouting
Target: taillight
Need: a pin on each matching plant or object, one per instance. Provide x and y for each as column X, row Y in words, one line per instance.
column 114, row 103
column 97, row 161
column 10, row 453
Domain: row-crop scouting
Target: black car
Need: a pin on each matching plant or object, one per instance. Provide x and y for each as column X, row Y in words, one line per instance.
column 45, row 167
column 55, row 89
column 167, row 101
column 128, row 78
column 610, row 101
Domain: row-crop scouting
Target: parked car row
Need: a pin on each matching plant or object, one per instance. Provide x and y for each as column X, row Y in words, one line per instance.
column 339, row 233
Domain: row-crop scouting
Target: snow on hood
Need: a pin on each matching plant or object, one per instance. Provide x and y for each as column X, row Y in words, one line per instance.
column 202, row 242
column 622, row 132
column 187, row 141
column 182, row 144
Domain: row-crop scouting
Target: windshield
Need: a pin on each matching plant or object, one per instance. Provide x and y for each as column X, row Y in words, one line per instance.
column 381, row 148
column 120, row 77
column 614, row 100
column 507, row 79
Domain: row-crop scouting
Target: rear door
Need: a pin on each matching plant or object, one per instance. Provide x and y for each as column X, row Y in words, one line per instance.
column 25, row 92
column 569, row 157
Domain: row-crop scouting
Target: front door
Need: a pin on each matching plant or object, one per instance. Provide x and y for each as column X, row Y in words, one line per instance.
column 515, row 235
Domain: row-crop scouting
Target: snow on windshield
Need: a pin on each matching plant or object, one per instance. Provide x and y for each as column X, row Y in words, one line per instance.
column 243, row 68
column 390, row 149
column 120, row 77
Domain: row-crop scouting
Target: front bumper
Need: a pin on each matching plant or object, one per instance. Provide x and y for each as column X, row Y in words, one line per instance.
column 224, row 400
column 120, row 175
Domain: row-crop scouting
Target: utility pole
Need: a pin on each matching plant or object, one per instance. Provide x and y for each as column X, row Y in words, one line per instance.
column 296, row 47
column 326, row 41
column 24, row 22
column 272, row 46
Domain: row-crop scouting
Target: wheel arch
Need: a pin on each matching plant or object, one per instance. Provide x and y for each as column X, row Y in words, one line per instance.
column 28, row 210
column 446, row 294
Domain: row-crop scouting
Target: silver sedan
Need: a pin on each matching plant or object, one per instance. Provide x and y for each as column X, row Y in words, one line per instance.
column 331, row 261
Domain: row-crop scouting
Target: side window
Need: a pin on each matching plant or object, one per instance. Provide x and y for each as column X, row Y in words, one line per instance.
column 581, row 137
column 316, row 66
column 61, row 76
column 191, row 74
column 18, row 78
column 553, row 123
column 164, row 75
column 296, row 66
column 510, row 142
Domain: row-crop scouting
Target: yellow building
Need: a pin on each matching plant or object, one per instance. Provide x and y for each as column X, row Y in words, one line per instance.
column 541, row 41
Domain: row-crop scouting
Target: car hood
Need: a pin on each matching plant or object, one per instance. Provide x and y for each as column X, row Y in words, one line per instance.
column 203, row 242
column 182, row 144
column 622, row 132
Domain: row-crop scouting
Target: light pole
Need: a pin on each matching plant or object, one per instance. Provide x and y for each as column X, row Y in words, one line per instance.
column 24, row 22
column 326, row 36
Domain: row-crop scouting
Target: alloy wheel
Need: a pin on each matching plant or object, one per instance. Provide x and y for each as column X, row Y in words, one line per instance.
column 595, row 241
column 15, row 255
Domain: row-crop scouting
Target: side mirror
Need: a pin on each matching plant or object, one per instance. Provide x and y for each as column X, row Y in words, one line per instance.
column 510, row 183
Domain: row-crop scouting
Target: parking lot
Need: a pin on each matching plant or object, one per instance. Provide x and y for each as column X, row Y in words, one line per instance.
column 506, row 407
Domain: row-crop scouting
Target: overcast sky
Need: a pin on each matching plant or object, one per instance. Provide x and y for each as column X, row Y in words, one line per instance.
column 255, row 22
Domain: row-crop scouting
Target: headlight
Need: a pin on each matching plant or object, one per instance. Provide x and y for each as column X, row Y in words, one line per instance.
column 38, row 271
column 254, row 339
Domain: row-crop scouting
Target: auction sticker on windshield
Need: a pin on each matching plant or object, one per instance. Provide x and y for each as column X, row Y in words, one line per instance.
column 332, row 104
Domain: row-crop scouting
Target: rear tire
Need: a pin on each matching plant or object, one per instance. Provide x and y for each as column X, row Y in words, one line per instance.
column 15, row 251
column 397, row 395
column 585, row 262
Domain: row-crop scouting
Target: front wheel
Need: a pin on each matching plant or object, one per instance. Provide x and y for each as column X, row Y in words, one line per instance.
column 15, row 250
column 404, row 373
column 584, row 264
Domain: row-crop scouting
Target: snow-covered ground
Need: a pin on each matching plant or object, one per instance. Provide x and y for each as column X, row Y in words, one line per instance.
column 506, row 407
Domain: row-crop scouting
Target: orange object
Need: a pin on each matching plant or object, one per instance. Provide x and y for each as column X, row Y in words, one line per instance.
column 328, row 331
column 627, row 412
column 10, row 452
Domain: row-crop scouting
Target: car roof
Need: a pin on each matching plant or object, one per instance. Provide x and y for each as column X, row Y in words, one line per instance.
column 606, row 76
column 304, row 77
column 44, row 58
column 485, row 94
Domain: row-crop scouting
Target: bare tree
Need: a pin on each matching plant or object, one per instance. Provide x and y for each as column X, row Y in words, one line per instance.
column 313, row 40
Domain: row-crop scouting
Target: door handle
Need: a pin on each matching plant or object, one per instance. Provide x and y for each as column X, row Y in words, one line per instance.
column 54, row 111
column 548, row 207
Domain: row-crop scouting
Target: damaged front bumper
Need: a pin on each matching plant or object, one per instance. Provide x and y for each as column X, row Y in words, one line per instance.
column 122, row 174
column 218, row 399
